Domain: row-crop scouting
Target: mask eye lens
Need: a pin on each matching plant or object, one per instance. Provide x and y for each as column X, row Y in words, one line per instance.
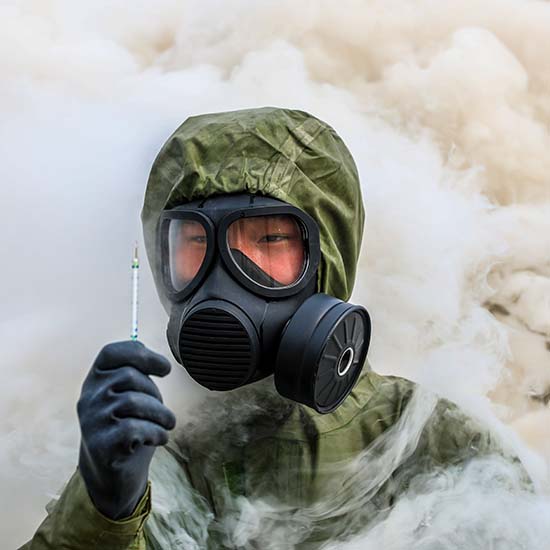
column 187, row 245
column 270, row 249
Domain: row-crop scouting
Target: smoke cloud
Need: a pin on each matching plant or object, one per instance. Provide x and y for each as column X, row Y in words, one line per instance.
column 445, row 108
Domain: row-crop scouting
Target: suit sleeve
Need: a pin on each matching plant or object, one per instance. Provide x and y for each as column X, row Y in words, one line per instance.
column 73, row 523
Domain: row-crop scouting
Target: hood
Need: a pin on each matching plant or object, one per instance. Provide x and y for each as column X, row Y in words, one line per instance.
column 281, row 153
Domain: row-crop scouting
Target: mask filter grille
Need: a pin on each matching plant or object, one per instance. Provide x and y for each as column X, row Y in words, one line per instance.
column 216, row 349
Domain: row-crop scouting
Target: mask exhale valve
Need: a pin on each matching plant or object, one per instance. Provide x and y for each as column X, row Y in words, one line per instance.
column 218, row 346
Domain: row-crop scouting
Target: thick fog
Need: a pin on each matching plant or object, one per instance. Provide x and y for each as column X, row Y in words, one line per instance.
column 446, row 109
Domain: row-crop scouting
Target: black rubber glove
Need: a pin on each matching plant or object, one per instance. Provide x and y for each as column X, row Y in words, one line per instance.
column 122, row 420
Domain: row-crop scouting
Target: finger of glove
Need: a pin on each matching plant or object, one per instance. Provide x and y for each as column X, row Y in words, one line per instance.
column 130, row 379
column 133, row 433
column 131, row 404
column 104, row 387
column 132, row 353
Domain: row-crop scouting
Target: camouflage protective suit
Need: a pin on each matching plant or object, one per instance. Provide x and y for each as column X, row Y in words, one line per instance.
column 251, row 455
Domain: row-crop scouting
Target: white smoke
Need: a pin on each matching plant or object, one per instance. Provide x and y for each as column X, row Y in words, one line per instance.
column 445, row 108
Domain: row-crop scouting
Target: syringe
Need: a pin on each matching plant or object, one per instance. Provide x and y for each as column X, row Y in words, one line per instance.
column 135, row 272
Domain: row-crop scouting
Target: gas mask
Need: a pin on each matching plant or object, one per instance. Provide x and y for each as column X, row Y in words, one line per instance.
column 239, row 273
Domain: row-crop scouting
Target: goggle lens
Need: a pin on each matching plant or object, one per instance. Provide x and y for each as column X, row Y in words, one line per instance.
column 269, row 249
column 187, row 249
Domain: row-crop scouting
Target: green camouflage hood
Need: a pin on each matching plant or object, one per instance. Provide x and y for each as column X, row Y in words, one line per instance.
column 285, row 154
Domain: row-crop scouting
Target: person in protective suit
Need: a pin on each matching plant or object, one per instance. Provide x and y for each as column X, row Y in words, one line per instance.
column 253, row 223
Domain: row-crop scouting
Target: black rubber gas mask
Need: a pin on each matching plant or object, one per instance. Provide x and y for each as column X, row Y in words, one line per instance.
column 239, row 273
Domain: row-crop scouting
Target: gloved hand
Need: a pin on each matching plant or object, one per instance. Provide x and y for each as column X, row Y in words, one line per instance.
column 122, row 420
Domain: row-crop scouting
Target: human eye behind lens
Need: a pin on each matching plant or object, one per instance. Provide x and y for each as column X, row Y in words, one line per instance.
column 196, row 239
column 273, row 238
